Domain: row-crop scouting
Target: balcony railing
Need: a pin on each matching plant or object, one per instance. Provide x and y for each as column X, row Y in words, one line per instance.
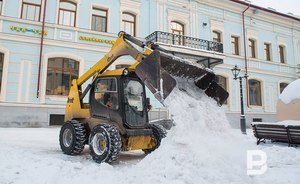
column 186, row 41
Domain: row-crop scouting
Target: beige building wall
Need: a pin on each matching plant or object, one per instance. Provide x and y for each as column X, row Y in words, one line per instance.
column 290, row 111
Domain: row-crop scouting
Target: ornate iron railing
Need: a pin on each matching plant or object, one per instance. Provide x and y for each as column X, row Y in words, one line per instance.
column 186, row 41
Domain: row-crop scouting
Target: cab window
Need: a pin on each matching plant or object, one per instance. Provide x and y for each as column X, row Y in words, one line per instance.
column 106, row 92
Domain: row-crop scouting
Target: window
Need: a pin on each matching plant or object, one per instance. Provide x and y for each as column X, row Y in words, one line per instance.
column 67, row 13
column 1, row 67
column 222, row 81
column 106, row 92
column 255, row 92
column 267, row 50
column 252, row 53
column 128, row 23
column 235, row 45
column 282, row 86
column 61, row 72
column 282, row 54
column 31, row 10
column 217, row 36
column 99, row 20
column 1, row 6
column 178, row 30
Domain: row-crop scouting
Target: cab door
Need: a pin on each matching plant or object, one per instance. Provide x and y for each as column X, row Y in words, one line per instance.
column 104, row 98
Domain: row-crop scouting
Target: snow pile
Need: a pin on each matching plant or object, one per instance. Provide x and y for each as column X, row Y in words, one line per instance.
column 291, row 92
column 200, row 149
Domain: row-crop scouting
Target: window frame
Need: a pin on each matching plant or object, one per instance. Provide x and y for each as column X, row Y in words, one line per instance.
column 268, row 52
column 225, row 85
column 2, row 56
column 106, row 18
column 279, row 86
column 126, row 21
column 219, row 34
column 260, row 102
column 31, row 4
column 1, row 7
column 236, row 43
column 181, row 32
column 71, row 11
column 282, row 54
column 252, row 48
column 62, row 69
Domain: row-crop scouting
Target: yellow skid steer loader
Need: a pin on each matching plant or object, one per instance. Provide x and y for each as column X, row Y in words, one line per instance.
column 116, row 117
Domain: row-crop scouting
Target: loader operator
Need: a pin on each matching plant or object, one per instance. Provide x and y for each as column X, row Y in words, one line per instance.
column 104, row 96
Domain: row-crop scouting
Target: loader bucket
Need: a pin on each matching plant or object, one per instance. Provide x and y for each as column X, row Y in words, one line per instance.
column 157, row 69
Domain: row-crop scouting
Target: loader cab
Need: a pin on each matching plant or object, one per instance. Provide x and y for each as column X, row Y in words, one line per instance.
column 119, row 99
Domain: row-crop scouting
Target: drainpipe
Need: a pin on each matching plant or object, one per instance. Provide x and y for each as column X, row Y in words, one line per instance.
column 245, row 54
column 41, row 50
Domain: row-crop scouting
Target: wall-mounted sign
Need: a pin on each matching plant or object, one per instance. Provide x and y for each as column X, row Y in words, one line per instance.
column 25, row 29
column 95, row 39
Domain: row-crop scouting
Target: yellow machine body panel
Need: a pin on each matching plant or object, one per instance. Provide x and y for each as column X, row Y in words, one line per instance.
column 140, row 142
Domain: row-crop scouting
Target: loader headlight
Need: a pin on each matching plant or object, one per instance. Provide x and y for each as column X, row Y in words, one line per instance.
column 125, row 72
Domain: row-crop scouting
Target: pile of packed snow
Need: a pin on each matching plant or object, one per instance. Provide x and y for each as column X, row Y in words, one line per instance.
column 291, row 92
column 200, row 148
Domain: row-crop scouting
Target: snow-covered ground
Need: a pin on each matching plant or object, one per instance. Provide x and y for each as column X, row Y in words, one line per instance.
column 201, row 148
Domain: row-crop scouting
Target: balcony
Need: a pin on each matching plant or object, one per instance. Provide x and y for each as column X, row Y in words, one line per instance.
column 196, row 50
column 185, row 41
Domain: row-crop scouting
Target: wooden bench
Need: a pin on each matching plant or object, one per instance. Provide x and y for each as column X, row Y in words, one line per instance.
column 277, row 133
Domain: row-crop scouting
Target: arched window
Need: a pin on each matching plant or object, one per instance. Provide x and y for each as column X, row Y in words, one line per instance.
column 217, row 36
column 282, row 85
column 99, row 19
column 178, row 31
column 31, row 10
column 128, row 23
column 255, row 92
column 222, row 81
column 1, row 67
column 67, row 13
column 282, row 54
column 177, row 28
column 60, row 73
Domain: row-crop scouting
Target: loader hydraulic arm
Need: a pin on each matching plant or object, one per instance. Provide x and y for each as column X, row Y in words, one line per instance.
column 120, row 48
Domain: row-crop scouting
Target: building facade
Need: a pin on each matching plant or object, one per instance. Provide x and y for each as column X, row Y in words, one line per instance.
column 36, row 67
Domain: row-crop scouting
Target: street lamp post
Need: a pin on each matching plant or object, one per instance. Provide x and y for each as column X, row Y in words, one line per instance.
column 235, row 72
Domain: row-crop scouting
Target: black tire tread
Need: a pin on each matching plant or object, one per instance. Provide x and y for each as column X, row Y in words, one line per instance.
column 80, row 138
column 159, row 132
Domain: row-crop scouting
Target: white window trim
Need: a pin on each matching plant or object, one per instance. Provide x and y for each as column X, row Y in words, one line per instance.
column 278, row 84
column 5, row 51
column 239, row 44
column 45, row 68
column 3, row 9
column 132, row 7
column 255, row 48
column 219, row 27
column 77, row 12
column 284, row 54
column 262, row 86
column 103, row 7
column 183, row 18
column 271, row 52
column 229, row 80
column 41, row 11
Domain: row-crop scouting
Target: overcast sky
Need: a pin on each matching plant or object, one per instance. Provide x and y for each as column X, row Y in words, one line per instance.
column 284, row 6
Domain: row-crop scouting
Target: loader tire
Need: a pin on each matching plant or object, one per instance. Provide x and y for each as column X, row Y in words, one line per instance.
column 159, row 132
column 105, row 143
column 72, row 137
